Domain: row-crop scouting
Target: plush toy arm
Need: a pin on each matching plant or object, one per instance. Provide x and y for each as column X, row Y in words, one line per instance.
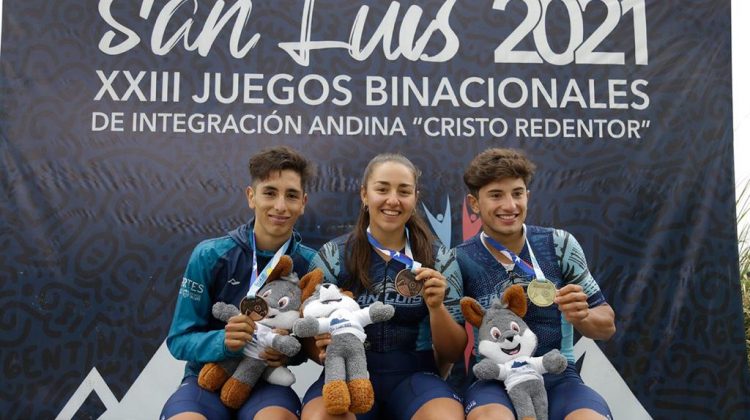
column 223, row 311
column 308, row 327
column 379, row 312
column 554, row 362
column 488, row 370
column 286, row 344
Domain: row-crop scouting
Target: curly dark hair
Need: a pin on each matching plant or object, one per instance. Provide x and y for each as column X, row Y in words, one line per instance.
column 495, row 164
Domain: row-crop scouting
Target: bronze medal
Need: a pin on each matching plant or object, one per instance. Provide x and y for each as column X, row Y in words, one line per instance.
column 541, row 292
column 254, row 307
column 407, row 284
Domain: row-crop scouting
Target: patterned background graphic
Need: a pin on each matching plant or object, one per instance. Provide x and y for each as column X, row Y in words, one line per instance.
column 97, row 226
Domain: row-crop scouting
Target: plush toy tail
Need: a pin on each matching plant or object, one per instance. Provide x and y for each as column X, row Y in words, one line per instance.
column 212, row 376
column 281, row 376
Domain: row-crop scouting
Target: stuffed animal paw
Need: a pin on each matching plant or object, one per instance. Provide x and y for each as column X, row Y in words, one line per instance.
column 279, row 376
column 554, row 361
column 212, row 376
column 380, row 312
column 486, row 370
column 287, row 345
column 305, row 327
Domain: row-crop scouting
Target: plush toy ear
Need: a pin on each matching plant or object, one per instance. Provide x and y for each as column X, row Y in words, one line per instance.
column 473, row 311
column 282, row 268
column 308, row 283
column 515, row 299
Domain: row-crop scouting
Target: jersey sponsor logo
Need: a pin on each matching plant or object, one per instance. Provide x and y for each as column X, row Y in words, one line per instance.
column 233, row 282
column 391, row 297
column 190, row 289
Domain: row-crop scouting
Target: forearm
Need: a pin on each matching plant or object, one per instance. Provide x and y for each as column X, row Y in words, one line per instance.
column 599, row 324
column 448, row 336
column 199, row 347
column 311, row 350
column 190, row 337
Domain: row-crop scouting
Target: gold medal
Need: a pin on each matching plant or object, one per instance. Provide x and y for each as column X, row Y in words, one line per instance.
column 254, row 307
column 407, row 284
column 541, row 292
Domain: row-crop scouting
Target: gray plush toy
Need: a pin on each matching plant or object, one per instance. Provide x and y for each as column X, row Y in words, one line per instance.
column 347, row 385
column 507, row 344
column 238, row 375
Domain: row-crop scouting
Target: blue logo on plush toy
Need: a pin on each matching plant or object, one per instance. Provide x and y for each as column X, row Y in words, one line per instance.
column 338, row 323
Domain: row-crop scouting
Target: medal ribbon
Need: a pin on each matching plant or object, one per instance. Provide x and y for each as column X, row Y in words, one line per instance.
column 258, row 280
column 405, row 258
column 532, row 270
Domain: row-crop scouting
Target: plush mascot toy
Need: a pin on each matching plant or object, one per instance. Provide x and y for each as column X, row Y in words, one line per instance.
column 347, row 385
column 238, row 375
column 507, row 344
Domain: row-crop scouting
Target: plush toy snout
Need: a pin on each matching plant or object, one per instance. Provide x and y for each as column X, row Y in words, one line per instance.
column 509, row 335
column 329, row 293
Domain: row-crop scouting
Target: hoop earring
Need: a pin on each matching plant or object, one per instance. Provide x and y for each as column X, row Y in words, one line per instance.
column 365, row 208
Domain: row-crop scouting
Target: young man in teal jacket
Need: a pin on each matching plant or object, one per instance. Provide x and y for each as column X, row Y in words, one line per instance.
column 222, row 270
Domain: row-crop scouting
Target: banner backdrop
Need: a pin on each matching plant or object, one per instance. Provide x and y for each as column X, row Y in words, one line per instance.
column 125, row 129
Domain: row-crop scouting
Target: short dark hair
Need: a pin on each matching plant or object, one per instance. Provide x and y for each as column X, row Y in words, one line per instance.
column 495, row 164
column 276, row 159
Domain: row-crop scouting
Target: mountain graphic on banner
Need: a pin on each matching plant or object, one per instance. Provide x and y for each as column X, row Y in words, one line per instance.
column 599, row 373
column 93, row 382
column 144, row 398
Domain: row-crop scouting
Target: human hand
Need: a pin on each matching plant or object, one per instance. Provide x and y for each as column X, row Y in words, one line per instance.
column 321, row 342
column 274, row 358
column 434, row 288
column 238, row 332
column 571, row 301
